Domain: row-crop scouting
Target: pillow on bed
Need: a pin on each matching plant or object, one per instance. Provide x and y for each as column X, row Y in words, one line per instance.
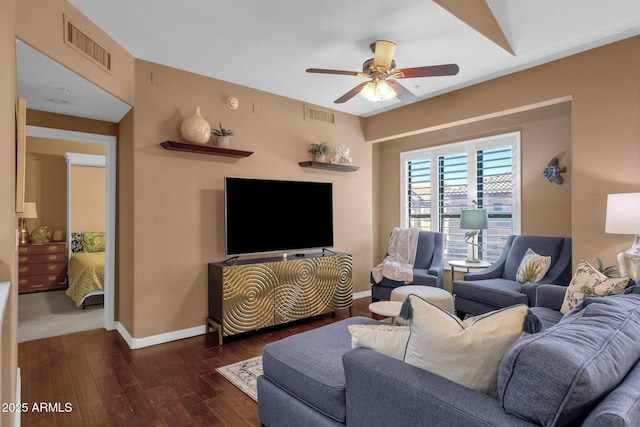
column 76, row 242
column 93, row 241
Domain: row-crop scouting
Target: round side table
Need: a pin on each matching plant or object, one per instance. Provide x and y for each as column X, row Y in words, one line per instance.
column 386, row 308
column 461, row 263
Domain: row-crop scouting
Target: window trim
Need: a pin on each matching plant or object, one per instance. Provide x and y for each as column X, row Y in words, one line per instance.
column 470, row 146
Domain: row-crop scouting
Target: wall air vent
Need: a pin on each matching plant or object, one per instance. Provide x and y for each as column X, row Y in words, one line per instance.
column 79, row 41
column 313, row 114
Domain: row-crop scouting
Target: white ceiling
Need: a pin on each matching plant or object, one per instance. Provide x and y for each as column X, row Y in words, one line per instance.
column 267, row 45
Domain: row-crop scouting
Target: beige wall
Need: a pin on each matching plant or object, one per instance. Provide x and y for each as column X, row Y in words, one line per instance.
column 603, row 87
column 78, row 124
column 178, row 223
column 163, row 248
column 8, row 219
column 88, row 198
column 40, row 25
column 46, row 178
column 545, row 133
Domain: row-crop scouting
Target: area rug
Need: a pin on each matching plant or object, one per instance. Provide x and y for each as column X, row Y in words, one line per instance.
column 243, row 375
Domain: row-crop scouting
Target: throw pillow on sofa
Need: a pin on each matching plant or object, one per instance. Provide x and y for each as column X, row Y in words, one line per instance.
column 467, row 352
column 589, row 282
column 533, row 267
column 385, row 339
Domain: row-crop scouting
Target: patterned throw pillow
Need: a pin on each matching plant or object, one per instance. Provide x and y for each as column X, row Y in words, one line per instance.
column 93, row 241
column 76, row 242
column 533, row 267
column 589, row 282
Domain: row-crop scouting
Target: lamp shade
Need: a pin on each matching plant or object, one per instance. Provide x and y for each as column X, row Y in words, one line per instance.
column 30, row 210
column 622, row 213
column 474, row 219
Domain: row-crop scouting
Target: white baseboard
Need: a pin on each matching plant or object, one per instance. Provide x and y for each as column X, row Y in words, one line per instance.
column 16, row 420
column 135, row 343
column 363, row 294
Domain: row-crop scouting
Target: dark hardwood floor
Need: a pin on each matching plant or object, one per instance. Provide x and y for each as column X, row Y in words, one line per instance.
column 99, row 381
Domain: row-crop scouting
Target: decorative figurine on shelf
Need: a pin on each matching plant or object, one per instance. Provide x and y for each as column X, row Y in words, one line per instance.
column 319, row 152
column 342, row 156
column 57, row 236
column 552, row 171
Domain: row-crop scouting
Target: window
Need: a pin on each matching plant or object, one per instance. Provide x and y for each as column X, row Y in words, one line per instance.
column 437, row 183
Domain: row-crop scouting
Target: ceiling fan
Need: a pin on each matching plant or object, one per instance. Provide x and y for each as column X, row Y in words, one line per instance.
column 381, row 69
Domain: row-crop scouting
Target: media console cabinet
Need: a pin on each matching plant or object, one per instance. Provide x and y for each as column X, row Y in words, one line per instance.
column 257, row 293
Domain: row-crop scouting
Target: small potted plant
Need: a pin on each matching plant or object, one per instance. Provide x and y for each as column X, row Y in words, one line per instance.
column 222, row 136
column 320, row 151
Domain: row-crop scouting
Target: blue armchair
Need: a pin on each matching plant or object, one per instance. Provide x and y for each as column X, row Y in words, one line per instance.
column 496, row 287
column 428, row 269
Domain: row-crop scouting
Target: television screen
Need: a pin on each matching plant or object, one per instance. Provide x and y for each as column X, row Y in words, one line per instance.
column 277, row 216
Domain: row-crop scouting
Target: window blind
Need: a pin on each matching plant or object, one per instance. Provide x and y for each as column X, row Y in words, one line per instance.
column 437, row 183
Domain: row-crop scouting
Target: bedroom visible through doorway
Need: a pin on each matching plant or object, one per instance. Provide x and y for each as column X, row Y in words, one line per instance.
column 53, row 308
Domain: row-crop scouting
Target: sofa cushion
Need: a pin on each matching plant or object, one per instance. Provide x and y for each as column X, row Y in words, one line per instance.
column 309, row 365
column 467, row 352
column 533, row 267
column 556, row 376
column 589, row 282
column 547, row 317
column 386, row 339
column 500, row 292
column 621, row 407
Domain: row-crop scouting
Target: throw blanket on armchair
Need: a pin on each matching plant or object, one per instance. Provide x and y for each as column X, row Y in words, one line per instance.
column 401, row 255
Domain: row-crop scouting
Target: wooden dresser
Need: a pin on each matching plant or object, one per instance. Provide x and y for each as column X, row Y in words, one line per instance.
column 42, row 267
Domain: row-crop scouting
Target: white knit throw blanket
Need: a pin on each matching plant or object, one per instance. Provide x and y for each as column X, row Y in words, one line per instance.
column 401, row 256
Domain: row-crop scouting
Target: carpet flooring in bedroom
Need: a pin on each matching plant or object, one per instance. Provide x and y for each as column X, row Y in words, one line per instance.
column 53, row 313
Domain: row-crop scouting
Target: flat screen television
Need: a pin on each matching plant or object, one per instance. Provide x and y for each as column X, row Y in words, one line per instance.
column 264, row 215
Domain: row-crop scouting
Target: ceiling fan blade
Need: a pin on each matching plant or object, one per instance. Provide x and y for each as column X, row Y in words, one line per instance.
column 402, row 93
column 353, row 92
column 428, row 71
column 346, row 73
column 383, row 54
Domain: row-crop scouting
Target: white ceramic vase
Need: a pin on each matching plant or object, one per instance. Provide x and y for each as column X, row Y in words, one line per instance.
column 222, row 141
column 195, row 128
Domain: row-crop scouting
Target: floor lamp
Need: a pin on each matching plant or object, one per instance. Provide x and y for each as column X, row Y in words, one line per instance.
column 622, row 218
column 473, row 220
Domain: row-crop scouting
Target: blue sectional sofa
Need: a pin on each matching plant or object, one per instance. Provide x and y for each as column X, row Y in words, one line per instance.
column 583, row 370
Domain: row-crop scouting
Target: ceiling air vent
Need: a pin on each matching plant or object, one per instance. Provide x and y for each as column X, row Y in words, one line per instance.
column 85, row 45
column 318, row 115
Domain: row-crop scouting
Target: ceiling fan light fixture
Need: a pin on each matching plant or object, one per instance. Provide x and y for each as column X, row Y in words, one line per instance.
column 377, row 90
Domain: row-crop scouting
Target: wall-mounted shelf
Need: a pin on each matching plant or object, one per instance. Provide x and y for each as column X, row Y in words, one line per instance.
column 204, row 149
column 328, row 166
